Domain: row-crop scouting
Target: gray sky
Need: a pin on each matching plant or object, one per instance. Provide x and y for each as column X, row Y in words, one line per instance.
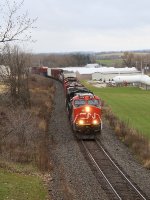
column 89, row 25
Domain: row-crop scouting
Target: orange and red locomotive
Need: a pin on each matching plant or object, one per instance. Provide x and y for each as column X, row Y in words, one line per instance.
column 86, row 115
column 84, row 110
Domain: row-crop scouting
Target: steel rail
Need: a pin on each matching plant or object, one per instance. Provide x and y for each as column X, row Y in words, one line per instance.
column 91, row 157
column 120, row 170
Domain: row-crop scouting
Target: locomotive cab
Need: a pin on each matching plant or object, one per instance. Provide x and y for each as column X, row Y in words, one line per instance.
column 86, row 115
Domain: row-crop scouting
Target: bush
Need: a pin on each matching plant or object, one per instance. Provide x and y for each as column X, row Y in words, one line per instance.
column 24, row 134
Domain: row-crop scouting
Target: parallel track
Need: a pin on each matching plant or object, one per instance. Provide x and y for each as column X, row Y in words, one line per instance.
column 111, row 177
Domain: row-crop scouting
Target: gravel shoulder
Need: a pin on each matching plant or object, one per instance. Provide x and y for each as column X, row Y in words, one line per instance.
column 71, row 175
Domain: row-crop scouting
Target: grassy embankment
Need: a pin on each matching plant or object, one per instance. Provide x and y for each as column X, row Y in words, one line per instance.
column 24, row 151
column 131, row 107
column 20, row 186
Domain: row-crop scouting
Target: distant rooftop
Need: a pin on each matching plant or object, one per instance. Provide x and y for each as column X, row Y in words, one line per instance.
column 94, row 65
column 88, row 69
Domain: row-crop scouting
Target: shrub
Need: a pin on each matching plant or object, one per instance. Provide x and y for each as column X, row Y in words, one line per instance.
column 24, row 134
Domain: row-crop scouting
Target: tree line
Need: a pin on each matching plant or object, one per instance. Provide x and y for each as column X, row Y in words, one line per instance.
column 141, row 61
column 62, row 60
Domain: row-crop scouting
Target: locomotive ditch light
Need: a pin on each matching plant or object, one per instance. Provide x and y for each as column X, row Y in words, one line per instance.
column 87, row 109
column 95, row 122
column 81, row 122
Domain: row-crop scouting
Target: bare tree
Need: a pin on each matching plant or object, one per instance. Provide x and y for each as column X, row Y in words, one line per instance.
column 62, row 60
column 15, row 74
column 128, row 59
column 14, row 26
column 139, row 60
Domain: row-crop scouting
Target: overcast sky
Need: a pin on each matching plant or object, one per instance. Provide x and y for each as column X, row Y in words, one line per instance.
column 89, row 25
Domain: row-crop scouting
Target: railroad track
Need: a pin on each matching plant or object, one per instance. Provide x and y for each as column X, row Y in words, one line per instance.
column 112, row 179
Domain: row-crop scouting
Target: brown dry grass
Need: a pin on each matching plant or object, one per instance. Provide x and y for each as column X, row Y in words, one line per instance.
column 139, row 144
column 24, row 134
column 3, row 88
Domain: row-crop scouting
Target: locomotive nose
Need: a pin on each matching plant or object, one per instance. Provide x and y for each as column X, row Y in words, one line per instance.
column 87, row 109
column 95, row 122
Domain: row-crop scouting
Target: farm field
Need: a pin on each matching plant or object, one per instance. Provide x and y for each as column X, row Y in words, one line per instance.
column 110, row 62
column 129, row 104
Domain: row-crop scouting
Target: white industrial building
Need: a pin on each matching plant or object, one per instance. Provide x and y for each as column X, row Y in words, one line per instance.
column 96, row 72
column 93, row 65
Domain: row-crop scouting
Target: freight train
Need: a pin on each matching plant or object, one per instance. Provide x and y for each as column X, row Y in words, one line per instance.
column 83, row 107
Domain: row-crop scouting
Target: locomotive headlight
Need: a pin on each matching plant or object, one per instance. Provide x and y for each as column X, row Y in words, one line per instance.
column 81, row 122
column 87, row 109
column 95, row 122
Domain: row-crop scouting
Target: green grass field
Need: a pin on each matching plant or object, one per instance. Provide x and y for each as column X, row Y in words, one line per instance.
column 109, row 54
column 20, row 187
column 129, row 104
column 110, row 62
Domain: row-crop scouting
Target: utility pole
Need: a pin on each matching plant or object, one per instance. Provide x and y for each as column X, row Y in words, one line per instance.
column 142, row 70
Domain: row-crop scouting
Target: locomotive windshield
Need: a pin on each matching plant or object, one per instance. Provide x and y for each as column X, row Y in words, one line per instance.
column 79, row 102
column 82, row 102
column 93, row 102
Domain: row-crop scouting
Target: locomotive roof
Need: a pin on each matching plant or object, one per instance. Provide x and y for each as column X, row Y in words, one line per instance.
column 85, row 96
column 73, row 84
column 77, row 89
column 70, row 79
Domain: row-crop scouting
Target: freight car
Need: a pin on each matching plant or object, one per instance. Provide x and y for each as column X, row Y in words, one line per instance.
column 55, row 73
